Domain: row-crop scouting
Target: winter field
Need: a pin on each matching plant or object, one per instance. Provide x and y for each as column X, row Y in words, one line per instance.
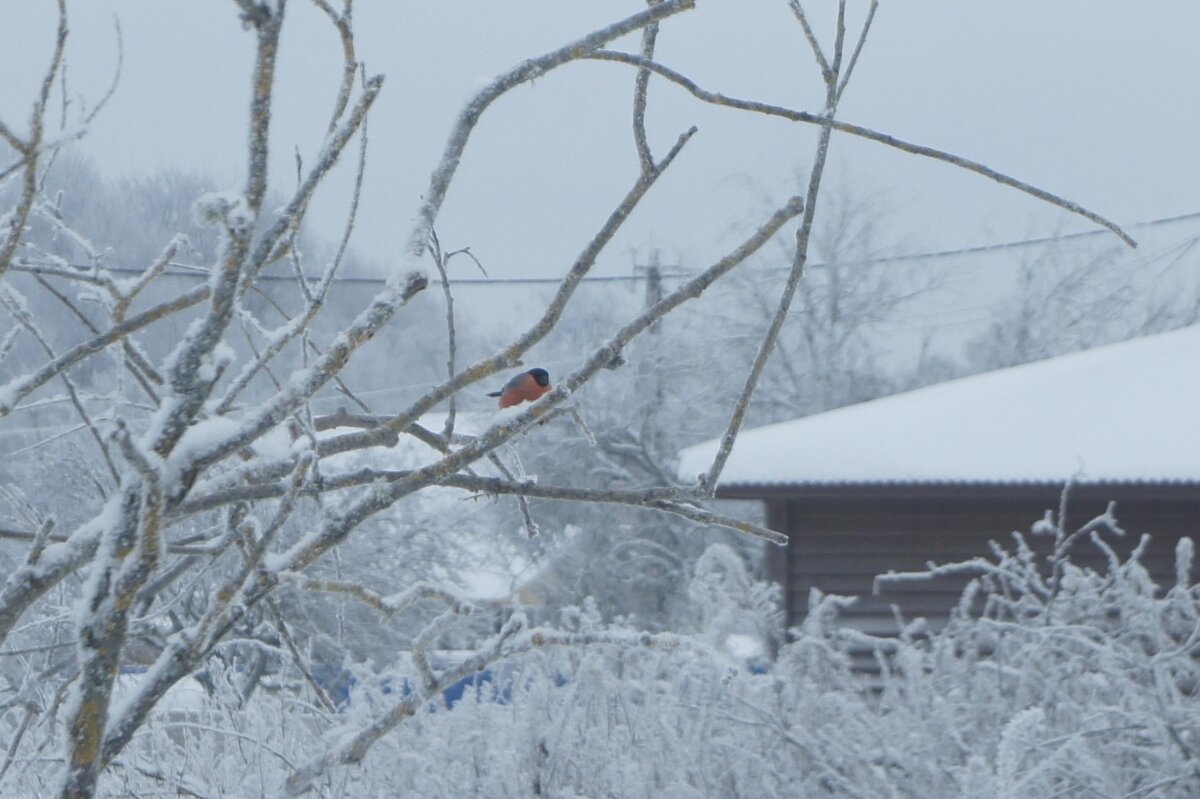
column 264, row 532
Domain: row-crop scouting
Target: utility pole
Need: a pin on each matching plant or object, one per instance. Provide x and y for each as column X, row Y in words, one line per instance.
column 650, row 367
column 654, row 292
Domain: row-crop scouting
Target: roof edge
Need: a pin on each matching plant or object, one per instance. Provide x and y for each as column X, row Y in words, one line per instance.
column 1174, row 490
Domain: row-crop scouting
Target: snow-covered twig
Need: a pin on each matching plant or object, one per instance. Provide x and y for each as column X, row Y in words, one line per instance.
column 30, row 149
column 529, row 70
column 285, row 634
column 21, row 387
column 860, row 131
column 343, row 24
column 15, row 305
column 640, row 86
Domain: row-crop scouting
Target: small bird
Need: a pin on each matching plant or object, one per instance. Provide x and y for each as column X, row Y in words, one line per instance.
column 525, row 387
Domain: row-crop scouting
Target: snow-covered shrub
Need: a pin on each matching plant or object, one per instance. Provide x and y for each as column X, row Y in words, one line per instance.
column 1080, row 685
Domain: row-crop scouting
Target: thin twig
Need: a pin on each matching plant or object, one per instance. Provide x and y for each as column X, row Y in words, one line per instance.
column 21, row 387
column 822, row 62
column 39, row 541
column 862, row 38
column 799, row 259
column 135, row 364
column 15, row 307
column 31, row 148
column 640, row 86
column 286, row 636
column 343, row 24
column 439, row 260
column 839, row 46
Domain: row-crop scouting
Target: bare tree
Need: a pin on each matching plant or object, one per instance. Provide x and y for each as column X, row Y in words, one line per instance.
column 219, row 486
column 1065, row 299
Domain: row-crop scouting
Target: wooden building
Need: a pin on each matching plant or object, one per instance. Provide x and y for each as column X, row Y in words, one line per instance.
column 935, row 474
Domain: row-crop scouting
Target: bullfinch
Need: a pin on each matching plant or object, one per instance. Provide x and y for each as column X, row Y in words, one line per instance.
column 525, row 387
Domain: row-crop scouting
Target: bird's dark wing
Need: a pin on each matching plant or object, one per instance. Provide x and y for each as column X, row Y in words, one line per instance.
column 513, row 382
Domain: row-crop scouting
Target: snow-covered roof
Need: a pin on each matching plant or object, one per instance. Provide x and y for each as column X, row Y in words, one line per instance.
column 1127, row 412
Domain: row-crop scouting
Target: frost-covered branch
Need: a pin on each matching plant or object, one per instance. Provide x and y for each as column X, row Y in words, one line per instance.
column 767, row 109
column 192, row 365
column 30, row 150
column 15, row 305
column 306, row 382
column 343, row 23
column 135, row 362
column 128, row 555
column 862, row 39
column 640, row 87
column 529, row 70
column 20, row 387
column 831, row 74
column 439, row 260
column 388, row 605
column 665, row 500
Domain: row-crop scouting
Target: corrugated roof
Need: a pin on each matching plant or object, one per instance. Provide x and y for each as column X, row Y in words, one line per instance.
column 1124, row 413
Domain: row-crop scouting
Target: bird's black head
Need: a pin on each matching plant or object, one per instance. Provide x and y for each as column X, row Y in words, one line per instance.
column 540, row 375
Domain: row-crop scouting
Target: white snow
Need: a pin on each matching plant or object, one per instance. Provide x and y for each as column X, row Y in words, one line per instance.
column 205, row 434
column 745, row 647
column 186, row 696
column 1127, row 412
column 486, row 585
column 276, row 443
column 221, row 208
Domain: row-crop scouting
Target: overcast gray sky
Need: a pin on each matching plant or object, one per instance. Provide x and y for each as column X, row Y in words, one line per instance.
column 1092, row 99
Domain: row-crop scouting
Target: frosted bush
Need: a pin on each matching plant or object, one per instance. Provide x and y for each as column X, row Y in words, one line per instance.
column 1081, row 688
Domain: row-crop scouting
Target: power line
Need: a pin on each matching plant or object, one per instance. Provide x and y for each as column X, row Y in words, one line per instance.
column 202, row 272
column 981, row 248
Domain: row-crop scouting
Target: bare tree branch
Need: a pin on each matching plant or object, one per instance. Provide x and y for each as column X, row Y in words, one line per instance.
column 862, row 39
column 281, row 626
column 15, row 307
column 649, row 36
column 128, row 557
column 30, row 149
column 344, row 25
column 439, row 183
column 802, row 18
column 439, row 260
column 866, row 133
column 21, row 387
column 190, row 376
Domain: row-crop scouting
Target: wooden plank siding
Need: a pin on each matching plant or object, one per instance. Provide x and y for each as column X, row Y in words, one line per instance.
column 841, row 537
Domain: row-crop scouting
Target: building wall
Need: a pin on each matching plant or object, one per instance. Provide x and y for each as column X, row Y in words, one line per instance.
column 839, row 541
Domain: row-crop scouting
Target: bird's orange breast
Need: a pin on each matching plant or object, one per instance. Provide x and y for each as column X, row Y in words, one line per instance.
column 526, row 390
